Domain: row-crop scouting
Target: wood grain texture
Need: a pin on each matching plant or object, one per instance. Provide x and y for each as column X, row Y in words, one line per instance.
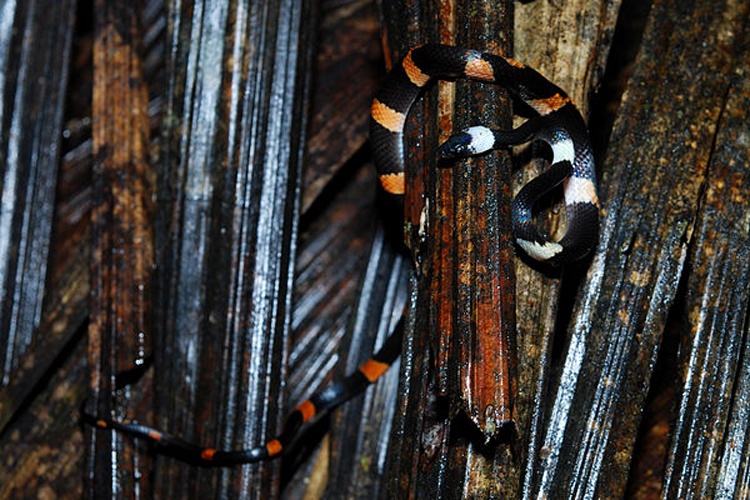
column 708, row 451
column 657, row 328
column 348, row 70
column 228, row 220
column 458, row 373
column 569, row 44
column 122, row 255
column 39, row 408
column 35, row 47
column 667, row 121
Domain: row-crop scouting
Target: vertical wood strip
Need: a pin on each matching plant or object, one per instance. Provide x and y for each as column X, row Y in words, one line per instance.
column 708, row 452
column 122, row 231
column 35, row 44
column 459, row 376
column 228, row 215
column 654, row 174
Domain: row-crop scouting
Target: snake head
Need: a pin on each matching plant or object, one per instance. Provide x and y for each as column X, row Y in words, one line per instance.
column 468, row 142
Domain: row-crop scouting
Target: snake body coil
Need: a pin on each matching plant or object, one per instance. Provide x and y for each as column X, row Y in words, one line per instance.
column 559, row 124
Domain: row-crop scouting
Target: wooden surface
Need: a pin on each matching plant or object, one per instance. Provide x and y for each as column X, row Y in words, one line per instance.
column 632, row 375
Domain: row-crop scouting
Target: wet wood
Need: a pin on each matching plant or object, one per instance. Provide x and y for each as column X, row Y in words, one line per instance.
column 708, row 447
column 41, row 312
column 650, row 202
column 35, row 47
column 666, row 298
column 351, row 270
column 570, row 51
column 122, row 219
column 459, row 364
column 348, row 70
column 39, row 408
column 367, row 283
column 43, row 450
column 228, row 218
column 573, row 48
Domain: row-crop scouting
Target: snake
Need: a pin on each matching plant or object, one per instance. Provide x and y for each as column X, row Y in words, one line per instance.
column 557, row 122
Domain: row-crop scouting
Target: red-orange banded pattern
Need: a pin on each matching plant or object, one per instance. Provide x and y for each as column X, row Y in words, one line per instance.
column 393, row 183
column 307, row 410
column 373, row 370
column 559, row 124
column 550, row 104
column 387, row 117
column 413, row 72
column 479, row 69
column 274, row 447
